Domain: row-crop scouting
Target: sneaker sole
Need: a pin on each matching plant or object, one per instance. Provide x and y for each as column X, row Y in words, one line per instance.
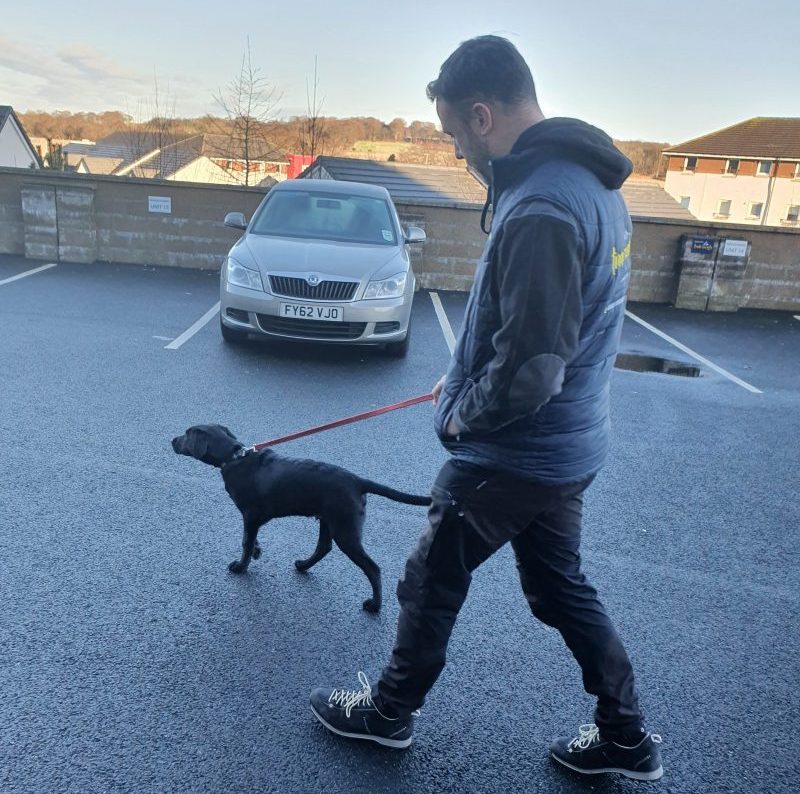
column 396, row 744
column 656, row 774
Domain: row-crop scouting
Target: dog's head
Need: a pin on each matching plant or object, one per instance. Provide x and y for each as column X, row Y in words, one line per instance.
column 212, row 444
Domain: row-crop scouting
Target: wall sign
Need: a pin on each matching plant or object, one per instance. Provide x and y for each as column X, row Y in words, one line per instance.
column 702, row 245
column 159, row 204
column 735, row 248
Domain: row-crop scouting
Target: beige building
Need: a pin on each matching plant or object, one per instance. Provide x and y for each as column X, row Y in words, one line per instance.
column 48, row 147
column 748, row 173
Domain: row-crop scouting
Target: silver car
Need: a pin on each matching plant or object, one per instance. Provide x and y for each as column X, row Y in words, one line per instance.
column 321, row 260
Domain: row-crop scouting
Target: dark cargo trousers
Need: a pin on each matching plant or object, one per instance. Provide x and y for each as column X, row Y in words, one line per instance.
column 475, row 511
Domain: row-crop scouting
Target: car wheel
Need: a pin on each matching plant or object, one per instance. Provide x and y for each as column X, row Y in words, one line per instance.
column 232, row 335
column 398, row 349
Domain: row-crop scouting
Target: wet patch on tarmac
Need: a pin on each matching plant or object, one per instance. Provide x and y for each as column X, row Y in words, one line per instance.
column 637, row 363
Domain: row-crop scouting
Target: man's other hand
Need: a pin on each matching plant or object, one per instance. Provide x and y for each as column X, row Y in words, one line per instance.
column 437, row 389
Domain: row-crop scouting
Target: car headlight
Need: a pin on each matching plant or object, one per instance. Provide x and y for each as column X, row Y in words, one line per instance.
column 240, row 276
column 392, row 287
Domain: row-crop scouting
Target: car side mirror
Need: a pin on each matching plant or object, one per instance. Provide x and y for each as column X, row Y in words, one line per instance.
column 236, row 220
column 415, row 235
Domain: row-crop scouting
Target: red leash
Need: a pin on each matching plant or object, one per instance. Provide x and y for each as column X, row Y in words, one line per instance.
column 349, row 420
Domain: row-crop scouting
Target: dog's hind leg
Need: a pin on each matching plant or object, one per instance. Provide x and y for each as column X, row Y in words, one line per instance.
column 349, row 541
column 249, row 544
column 324, row 545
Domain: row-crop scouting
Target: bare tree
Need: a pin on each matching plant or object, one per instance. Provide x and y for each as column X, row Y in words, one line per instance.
column 313, row 133
column 151, row 135
column 249, row 104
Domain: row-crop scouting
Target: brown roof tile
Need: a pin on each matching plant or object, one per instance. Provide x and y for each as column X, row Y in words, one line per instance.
column 761, row 137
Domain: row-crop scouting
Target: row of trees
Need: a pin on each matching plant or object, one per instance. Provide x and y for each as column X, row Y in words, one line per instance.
column 307, row 134
column 62, row 124
column 313, row 133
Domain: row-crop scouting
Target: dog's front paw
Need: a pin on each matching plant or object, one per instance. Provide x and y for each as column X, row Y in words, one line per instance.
column 256, row 552
column 371, row 605
column 237, row 567
column 301, row 565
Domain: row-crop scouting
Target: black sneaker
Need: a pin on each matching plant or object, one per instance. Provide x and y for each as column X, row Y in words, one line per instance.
column 590, row 754
column 353, row 713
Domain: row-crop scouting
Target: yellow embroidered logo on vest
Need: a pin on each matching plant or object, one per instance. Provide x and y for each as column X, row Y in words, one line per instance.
column 618, row 258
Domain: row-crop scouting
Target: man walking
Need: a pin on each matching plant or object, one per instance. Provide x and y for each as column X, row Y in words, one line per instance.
column 523, row 410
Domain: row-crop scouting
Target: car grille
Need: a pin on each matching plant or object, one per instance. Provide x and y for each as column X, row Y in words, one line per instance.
column 324, row 291
column 310, row 329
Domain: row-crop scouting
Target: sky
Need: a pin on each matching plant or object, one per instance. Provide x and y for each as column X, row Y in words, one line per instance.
column 640, row 69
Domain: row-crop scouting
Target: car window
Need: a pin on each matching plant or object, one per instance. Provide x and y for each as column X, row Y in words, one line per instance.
column 326, row 216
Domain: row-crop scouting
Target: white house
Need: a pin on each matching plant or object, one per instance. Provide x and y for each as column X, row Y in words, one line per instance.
column 748, row 173
column 16, row 150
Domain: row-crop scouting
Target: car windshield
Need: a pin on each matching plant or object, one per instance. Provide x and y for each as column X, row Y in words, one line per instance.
column 326, row 216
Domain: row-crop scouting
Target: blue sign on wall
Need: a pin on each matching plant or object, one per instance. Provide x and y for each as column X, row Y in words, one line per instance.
column 702, row 245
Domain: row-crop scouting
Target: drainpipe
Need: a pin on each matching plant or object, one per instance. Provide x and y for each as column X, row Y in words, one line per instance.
column 769, row 193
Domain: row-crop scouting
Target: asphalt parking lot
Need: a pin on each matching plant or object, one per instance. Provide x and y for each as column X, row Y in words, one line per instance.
column 132, row 661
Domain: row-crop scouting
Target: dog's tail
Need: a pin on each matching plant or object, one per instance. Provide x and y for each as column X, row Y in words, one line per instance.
column 398, row 496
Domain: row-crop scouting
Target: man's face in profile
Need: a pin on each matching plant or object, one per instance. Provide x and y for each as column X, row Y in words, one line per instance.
column 467, row 143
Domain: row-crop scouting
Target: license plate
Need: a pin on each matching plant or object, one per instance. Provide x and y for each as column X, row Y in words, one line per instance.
column 303, row 311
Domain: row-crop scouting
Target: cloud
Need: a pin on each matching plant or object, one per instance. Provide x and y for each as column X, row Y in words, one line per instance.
column 20, row 59
column 79, row 77
column 88, row 63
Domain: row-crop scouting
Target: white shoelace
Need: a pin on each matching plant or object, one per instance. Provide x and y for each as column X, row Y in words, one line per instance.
column 348, row 699
column 589, row 734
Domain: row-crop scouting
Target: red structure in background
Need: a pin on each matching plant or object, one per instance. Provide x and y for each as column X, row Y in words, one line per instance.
column 298, row 163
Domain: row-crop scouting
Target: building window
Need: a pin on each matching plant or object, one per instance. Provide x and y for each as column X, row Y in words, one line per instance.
column 764, row 167
column 793, row 213
column 690, row 163
column 756, row 208
column 724, row 208
column 732, row 167
column 685, row 201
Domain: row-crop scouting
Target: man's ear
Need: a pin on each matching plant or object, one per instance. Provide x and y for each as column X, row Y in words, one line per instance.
column 481, row 118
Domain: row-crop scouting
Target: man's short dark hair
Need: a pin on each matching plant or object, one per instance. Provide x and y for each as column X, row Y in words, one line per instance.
column 486, row 68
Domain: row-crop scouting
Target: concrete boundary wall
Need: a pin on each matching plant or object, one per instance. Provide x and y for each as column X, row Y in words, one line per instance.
column 70, row 217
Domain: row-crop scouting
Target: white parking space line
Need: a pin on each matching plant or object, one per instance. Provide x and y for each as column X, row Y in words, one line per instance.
column 27, row 273
column 193, row 329
column 696, row 356
column 449, row 336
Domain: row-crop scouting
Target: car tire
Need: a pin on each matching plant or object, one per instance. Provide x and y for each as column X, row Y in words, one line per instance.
column 232, row 335
column 398, row 349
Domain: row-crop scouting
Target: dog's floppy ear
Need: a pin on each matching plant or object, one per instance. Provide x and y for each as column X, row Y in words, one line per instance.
column 200, row 445
column 198, row 442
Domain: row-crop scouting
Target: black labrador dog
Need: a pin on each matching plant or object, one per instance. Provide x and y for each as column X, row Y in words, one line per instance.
column 264, row 485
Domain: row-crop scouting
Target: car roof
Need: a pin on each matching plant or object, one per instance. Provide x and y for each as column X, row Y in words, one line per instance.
column 333, row 186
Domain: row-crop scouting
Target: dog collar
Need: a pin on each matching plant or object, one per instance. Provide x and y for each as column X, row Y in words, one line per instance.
column 238, row 455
